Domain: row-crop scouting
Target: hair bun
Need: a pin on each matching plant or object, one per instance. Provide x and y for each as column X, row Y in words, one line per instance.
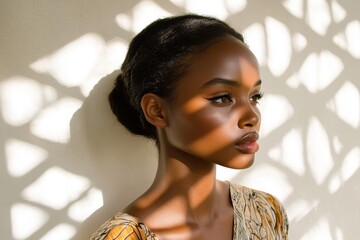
column 123, row 110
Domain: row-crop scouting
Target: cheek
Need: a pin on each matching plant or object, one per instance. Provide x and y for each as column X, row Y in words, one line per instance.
column 202, row 132
column 257, row 111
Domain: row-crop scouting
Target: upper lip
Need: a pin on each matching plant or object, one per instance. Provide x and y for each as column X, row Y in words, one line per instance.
column 248, row 138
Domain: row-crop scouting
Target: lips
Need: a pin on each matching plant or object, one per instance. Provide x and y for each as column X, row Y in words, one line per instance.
column 247, row 143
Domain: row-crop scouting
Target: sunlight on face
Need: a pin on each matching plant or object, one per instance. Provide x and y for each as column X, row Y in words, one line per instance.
column 22, row 157
column 26, row 219
column 206, row 145
column 56, row 188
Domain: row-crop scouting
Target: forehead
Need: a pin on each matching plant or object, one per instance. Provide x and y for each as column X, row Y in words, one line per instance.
column 227, row 58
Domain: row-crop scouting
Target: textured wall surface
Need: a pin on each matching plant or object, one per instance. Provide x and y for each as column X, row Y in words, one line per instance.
column 66, row 165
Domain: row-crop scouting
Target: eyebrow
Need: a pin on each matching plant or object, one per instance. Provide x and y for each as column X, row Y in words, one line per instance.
column 223, row 81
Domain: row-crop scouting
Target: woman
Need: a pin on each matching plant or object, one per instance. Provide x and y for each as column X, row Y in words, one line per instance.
column 191, row 84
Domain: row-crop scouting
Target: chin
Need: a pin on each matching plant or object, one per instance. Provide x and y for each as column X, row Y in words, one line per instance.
column 240, row 162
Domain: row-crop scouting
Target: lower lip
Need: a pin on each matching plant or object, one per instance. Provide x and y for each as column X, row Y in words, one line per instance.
column 248, row 148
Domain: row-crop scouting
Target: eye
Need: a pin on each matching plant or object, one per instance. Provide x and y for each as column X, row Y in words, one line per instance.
column 221, row 99
column 256, row 98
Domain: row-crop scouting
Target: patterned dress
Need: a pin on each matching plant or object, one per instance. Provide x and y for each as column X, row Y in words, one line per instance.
column 257, row 215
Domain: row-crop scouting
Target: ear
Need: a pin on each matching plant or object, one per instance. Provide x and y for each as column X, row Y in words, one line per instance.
column 154, row 109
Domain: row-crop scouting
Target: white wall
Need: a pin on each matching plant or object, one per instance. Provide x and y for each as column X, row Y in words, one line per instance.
column 64, row 156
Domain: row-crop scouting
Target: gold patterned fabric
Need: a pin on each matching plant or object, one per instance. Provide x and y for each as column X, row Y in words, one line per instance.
column 257, row 215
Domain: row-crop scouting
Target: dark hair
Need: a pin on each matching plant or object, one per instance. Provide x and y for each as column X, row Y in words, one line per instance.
column 155, row 62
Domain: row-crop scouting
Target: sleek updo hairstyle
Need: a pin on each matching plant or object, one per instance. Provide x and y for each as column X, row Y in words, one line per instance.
column 157, row 58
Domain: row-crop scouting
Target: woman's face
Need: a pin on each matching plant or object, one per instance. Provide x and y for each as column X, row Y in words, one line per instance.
column 214, row 114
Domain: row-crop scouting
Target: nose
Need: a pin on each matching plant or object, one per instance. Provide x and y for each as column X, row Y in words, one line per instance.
column 249, row 116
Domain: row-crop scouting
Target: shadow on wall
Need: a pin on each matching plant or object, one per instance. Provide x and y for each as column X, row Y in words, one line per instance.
column 310, row 154
column 124, row 165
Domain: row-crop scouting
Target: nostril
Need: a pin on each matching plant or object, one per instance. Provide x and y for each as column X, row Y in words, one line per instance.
column 248, row 119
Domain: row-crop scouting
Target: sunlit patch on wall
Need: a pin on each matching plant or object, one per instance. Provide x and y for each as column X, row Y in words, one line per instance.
column 73, row 63
column 224, row 173
column 318, row 16
column 278, row 46
column 350, row 38
column 290, row 152
column 21, row 99
column 265, row 176
column 318, row 151
column 235, row 6
column 350, row 165
column 299, row 208
column 337, row 145
column 53, row 123
column 22, row 157
column 56, row 188
column 255, row 37
column 83, row 62
column 26, row 219
column 113, row 54
column 217, row 8
column 124, row 21
column 318, row 71
column 346, row 104
column 338, row 12
column 334, row 183
column 214, row 8
column 61, row 231
column 273, row 117
column 319, row 230
column 295, row 7
column 299, row 42
column 147, row 8
column 83, row 208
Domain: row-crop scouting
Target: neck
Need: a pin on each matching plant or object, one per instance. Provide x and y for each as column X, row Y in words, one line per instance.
column 190, row 181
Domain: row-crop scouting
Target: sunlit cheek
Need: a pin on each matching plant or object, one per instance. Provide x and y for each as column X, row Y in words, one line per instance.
column 213, row 141
column 194, row 105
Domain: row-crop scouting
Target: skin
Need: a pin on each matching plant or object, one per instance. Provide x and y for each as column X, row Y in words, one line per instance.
column 214, row 106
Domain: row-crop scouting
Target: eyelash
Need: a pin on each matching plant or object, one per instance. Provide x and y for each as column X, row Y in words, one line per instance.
column 256, row 98
column 226, row 96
